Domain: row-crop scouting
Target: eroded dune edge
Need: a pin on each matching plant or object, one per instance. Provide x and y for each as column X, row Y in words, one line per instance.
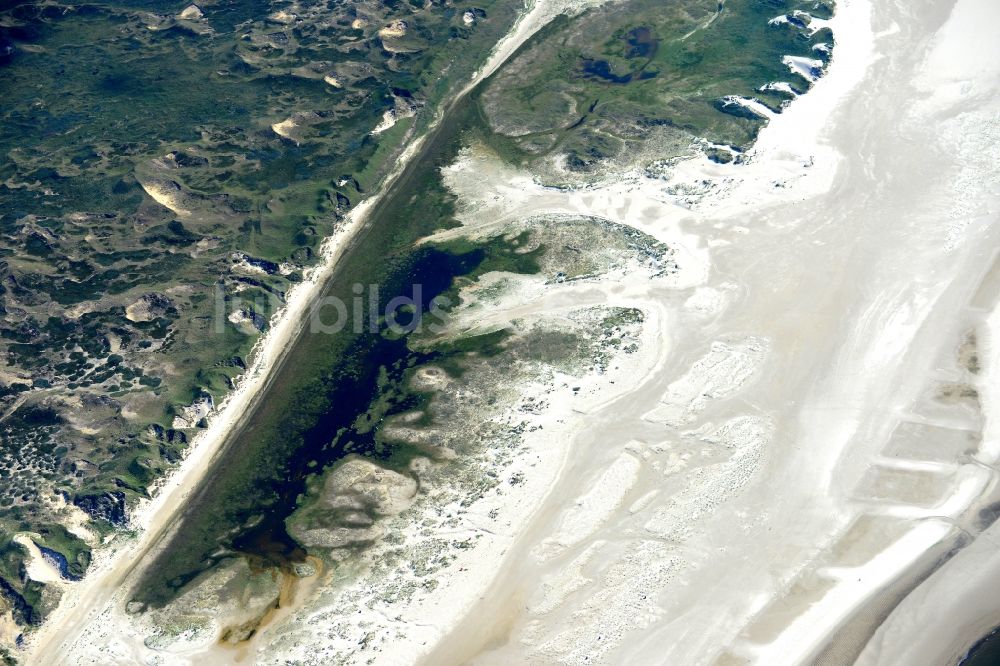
column 734, row 414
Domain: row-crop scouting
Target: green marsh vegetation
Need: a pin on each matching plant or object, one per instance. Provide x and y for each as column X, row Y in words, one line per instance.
column 333, row 389
column 644, row 78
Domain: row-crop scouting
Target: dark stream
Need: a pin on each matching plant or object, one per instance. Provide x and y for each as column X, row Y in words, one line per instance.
column 986, row 652
column 432, row 272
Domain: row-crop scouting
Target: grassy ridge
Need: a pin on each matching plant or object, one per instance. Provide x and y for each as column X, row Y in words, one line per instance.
column 644, row 77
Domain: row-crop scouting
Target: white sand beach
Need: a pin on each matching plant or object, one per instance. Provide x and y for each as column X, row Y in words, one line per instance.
column 855, row 239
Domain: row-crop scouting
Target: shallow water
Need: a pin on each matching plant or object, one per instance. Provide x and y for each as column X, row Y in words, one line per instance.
column 984, row 653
